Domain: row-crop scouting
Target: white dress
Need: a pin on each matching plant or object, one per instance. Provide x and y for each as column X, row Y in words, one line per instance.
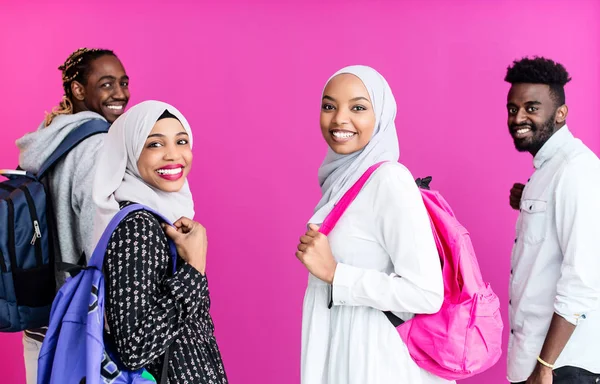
column 387, row 260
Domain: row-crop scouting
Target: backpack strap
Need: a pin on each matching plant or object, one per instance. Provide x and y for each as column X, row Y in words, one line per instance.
column 75, row 137
column 339, row 209
column 97, row 259
column 337, row 212
column 70, row 268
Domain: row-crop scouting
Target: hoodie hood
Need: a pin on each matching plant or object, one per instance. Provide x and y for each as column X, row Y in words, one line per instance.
column 36, row 147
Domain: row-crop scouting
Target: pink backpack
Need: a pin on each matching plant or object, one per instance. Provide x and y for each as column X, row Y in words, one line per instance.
column 465, row 337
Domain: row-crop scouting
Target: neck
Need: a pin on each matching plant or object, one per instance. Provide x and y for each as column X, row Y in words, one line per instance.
column 558, row 127
column 79, row 106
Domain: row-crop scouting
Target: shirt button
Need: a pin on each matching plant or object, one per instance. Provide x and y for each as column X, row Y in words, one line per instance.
column 515, row 241
column 509, row 302
column 342, row 302
column 511, row 271
column 512, row 331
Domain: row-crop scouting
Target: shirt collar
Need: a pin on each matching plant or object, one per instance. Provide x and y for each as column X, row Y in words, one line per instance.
column 552, row 146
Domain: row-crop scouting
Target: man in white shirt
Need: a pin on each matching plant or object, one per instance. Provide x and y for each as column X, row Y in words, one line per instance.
column 554, row 306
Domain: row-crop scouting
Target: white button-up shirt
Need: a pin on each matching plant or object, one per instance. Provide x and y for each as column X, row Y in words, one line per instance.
column 556, row 258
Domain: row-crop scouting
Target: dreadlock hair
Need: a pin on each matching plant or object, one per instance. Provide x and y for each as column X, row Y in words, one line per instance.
column 75, row 68
column 540, row 70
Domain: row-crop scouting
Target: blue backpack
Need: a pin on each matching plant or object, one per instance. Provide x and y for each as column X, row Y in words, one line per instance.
column 29, row 241
column 74, row 350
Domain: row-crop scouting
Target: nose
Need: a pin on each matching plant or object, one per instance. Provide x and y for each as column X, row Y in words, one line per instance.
column 521, row 116
column 120, row 93
column 341, row 117
column 171, row 153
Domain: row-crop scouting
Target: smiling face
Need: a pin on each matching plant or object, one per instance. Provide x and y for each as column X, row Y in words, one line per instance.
column 347, row 115
column 106, row 89
column 533, row 116
column 166, row 159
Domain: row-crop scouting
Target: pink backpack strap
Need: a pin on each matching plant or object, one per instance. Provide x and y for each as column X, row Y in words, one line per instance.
column 339, row 209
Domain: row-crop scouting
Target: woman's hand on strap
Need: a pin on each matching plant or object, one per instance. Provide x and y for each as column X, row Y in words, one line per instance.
column 315, row 253
column 190, row 239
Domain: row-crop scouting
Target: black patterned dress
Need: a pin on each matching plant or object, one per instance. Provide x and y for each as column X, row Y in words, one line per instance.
column 148, row 309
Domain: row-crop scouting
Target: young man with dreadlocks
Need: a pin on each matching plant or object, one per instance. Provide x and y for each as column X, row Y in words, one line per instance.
column 96, row 86
column 554, row 307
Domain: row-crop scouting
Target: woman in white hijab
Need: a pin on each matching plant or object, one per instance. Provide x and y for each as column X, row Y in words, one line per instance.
column 145, row 159
column 380, row 257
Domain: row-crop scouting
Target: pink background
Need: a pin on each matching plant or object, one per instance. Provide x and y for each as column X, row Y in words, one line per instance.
column 249, row 77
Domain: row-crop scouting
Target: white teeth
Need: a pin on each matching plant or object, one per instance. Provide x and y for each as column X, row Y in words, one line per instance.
column 115, row 107
column 343, row 135
column 523, row 130
column 173, row 171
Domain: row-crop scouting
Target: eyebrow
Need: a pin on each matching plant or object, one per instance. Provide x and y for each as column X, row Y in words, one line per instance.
column 533, row 102
column 361, row 98
column 161, row 135
column 109, row 77
column 354, row 99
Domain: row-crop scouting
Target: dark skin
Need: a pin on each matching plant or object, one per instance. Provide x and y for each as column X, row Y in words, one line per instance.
column 106, row 91
column 515, row 195
column 531, row 105
column 533, row 117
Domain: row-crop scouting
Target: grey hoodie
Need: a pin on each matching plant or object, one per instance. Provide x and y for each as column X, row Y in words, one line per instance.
column 70, row 181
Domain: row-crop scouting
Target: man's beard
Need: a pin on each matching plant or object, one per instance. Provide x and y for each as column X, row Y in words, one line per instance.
column 540, row 134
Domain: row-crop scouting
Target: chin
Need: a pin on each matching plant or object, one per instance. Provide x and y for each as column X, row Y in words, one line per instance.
column 343, row 150
column 172, row 188
column 168, row 187
column 522, row 146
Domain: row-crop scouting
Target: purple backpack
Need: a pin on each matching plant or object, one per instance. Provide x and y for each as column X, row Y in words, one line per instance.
column 74, row 350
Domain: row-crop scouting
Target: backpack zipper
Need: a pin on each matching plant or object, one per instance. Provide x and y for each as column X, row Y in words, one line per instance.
column 37, row 233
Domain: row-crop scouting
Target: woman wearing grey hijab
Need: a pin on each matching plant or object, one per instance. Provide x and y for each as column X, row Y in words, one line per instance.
column 381, row 255
column 150, row 311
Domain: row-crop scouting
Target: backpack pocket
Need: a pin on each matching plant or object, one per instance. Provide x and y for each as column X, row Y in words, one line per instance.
column 34, row 287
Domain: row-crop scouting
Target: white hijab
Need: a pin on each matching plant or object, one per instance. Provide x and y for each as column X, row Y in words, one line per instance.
column 339, row 172
column 117, row 177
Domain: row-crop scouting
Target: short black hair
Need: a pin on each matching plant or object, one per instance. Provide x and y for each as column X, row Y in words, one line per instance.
column 540, row 70
column 77, row 67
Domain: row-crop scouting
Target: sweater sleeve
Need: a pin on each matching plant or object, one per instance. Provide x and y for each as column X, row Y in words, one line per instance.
column 146, row 307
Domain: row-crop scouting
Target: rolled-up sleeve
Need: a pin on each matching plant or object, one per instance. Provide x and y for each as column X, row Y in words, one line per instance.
column 577, row 214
